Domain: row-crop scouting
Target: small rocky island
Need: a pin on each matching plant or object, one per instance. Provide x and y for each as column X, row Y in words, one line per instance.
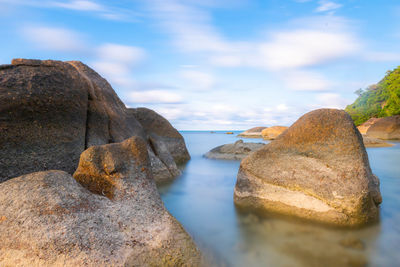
column 62, row 118
column 316, row 170
column 252, row 133
column 235, row 151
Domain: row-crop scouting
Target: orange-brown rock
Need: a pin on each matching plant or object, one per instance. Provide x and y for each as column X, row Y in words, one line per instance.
column 273, row 132
column 363, row 128
column 387, row 128
column 254, row 132
column 317, row 170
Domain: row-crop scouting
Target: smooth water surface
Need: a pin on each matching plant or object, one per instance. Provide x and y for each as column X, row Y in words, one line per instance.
column 202, row 200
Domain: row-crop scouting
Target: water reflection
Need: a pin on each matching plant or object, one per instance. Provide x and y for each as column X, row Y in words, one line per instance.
column 202, row 200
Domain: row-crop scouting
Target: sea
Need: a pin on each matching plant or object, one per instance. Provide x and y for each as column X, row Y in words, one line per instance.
column 202, row 200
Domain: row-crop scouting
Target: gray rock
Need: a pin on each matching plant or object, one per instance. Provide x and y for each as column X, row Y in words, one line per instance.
column 49, row 219
column 43, row 111
column 236, row 151
column 317, row 170
column 51, row 111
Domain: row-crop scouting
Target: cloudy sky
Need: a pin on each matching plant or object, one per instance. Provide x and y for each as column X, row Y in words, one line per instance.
column 215, row 64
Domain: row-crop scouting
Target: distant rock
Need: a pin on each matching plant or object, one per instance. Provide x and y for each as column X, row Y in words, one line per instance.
column 317, row 170
column 51, row 111
column 273, row 132
column 229, row 133
column 363, row 128
column 375, row 142
column 49, row 219
column 235, row 151
column 387, row 128
column 253, row 132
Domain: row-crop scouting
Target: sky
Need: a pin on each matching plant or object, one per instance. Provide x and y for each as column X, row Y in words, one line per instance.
column 215, row 65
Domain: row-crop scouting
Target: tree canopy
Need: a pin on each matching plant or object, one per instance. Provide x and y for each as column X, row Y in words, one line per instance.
column 378, row 100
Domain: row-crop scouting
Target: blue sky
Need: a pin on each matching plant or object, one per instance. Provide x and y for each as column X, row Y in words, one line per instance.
column 203, row 64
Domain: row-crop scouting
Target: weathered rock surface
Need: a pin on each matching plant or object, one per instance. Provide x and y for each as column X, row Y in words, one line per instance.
column 51, row 111
column 387, row 128
column 375, row 142
column 236, row 151
column 42, row 117
column 273, row 132
column 363, row 128
column 49, row 219
column 317, row 170
column 253, row 132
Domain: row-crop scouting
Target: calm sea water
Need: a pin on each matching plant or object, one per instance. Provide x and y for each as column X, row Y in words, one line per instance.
column 202, row 200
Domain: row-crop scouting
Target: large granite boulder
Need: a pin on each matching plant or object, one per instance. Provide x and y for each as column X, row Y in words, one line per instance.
column 273, row 132
column 43, row 108
column 161, row 131
column 236, row 151
column 51, row 111
column 387, row 128
column 49, row 219
column 254, row 132
column 317, row 170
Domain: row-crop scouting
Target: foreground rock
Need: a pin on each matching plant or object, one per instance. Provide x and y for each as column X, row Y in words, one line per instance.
column 253, row 132
column 236, row 151
column 51, row 111
column 374, row 142
column 387, row 128
column 273, row 132
column 49, row 219
column 317, row 170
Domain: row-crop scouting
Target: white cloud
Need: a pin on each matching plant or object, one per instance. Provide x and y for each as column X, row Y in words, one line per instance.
column 324, row 6
column 301, row 48
column 115, row 62
column 381, row 56
column 80, row 5
column 198, row 80
column 52, row 38
column 154, row 96
column 331, row 100
column 121, row 53
column 305, row 81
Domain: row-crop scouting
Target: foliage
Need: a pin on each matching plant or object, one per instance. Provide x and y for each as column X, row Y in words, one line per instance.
column 378, row 100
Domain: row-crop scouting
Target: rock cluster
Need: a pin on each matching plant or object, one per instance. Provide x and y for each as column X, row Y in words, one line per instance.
column 387, row 128
column 318, row 170
column 109, row 215
column 51, row 111
column 253, row 132
column 235, row 151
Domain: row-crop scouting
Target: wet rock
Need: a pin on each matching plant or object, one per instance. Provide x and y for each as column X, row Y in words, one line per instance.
column 354, row 243
column 318, row 170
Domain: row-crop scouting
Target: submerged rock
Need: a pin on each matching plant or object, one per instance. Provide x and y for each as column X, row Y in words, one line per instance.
column 51, row 111
column 49, row 219
column 317, row 170
column 273, row 132
column 253, row 132
column 374, row 142
column 235, row 151
column 387, row 128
